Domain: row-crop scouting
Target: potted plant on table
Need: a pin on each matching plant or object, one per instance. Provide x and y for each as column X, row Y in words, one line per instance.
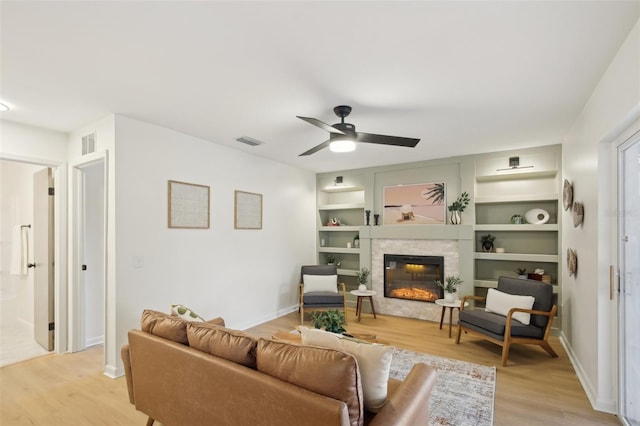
column 450, row 287
column 331, row 320
column 363, row 277
column 487, row 242
column 458, row 207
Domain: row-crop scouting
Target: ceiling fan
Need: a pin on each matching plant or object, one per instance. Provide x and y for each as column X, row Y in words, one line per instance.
column 343, row 136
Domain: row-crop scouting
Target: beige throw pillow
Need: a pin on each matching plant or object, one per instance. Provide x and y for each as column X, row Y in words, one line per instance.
column 313, row 283
column 501, row 303
column 374, row 362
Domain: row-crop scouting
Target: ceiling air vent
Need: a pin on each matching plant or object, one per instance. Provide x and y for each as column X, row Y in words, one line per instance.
column 89, row 143
column 249, row 141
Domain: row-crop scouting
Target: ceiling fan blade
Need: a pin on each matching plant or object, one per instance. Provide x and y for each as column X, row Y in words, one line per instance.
column 386, row 140
column 321, row 124
column 316, row 148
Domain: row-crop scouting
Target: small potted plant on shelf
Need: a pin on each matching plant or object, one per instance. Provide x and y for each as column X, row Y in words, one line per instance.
column 450, row 287
column 458, row 207
column 522, row 273
column 363, row 277
column 331, row 259
column 331, row 320
column 487, row 242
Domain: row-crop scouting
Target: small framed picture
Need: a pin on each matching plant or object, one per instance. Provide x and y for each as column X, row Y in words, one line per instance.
column 247, row 210
column 188, row 205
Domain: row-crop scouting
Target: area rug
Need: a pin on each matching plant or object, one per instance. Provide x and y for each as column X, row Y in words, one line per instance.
column 464, row 392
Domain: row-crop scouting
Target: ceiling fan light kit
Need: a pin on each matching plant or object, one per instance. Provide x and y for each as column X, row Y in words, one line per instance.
column 342, row 145
column 343, row 136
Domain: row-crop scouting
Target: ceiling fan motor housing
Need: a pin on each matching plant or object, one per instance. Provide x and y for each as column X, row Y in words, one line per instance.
column 348, row 128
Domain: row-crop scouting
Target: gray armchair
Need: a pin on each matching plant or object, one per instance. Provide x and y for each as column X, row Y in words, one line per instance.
column 319, row 300
column 505, row 331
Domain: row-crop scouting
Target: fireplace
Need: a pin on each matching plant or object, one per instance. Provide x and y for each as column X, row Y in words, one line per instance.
column 412, row 277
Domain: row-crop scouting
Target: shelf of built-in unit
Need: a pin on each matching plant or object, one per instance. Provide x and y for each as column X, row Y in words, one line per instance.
column 494, row 284
column 510, row 227
column 339, row 250
column 348, row 206
column 521, row 198
column 524, row 257
column 348, row 272
column 339, row 228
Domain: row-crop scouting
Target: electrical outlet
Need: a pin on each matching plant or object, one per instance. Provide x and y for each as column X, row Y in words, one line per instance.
column 138, row 261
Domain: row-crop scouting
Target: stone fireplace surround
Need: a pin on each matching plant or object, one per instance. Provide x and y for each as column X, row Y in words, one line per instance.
column 402, row 307
column 453, row 242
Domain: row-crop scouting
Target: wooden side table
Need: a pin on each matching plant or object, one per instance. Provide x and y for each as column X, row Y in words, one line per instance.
column 361, row 295
column 451, row 306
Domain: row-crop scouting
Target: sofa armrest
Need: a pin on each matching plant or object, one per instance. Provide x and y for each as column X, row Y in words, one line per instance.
column 409, row 404
column 126, row 359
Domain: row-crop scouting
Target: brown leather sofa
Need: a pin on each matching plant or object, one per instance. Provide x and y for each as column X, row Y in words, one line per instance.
column 182, row 373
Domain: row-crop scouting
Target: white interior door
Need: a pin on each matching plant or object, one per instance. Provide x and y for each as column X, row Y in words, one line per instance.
column 43, row 255
column 629, row 301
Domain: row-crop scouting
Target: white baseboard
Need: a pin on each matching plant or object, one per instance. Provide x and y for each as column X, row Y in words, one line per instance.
column 113, row 372
column 596, row 403
column 92, row 341
column 265, row 318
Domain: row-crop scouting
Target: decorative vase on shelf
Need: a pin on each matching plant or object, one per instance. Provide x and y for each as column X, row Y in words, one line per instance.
column 455, row 217
column 449, row 297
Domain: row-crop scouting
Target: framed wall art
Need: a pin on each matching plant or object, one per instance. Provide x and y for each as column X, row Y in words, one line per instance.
column 416, row 204
column 188, row 205
column 247, row 210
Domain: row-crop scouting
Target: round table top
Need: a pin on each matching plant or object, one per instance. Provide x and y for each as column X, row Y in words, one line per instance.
column 363, row 293
column 454, row 304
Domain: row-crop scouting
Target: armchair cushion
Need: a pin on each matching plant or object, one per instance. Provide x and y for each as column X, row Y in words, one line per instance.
column 495, row 324
column 320, row 283
column 501, row 303
column 323, row 298
column 543, row 295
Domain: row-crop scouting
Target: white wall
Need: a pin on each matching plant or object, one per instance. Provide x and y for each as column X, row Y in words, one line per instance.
column 16, row 208
column 245, row 276
column 32, row 144
column 589, row 332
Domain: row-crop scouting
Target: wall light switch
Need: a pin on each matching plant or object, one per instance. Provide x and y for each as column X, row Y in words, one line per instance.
column 138, row 261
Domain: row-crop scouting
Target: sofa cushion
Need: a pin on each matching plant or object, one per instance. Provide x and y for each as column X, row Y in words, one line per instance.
column 325, row 371
column 496, row 324
column 233, row 345
column 374, row 361
column 164, row 325
column 185, row 313
column 501, row 303
column 324, row 283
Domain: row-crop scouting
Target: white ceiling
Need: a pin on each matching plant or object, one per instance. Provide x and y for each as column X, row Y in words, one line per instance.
column 465, row 77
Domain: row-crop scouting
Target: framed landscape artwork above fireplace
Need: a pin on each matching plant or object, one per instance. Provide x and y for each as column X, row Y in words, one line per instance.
column 416, row 204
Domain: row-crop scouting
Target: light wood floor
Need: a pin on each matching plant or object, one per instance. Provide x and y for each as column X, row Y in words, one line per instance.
column 534, row 389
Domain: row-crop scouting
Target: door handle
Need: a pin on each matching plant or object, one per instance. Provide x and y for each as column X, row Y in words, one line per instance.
column 31, row 265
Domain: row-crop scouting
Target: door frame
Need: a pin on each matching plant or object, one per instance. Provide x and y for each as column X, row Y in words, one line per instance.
column 77, row 341
column 60, row 344
column 627, row 141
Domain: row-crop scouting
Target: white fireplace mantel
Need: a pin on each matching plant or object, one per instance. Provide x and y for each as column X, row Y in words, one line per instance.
column 417, row 232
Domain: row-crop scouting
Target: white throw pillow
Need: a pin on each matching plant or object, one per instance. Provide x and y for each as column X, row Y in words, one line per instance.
column 501, row 303
column 374, row 362
column 320, row 283
column 185, row 313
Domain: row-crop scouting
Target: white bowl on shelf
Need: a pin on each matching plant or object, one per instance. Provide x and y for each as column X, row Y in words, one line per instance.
column 537, row 216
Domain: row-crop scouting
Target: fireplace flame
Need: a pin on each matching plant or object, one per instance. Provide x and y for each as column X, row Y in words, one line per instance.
column 414, row 294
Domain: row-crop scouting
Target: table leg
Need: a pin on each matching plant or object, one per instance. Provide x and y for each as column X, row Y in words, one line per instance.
column 359, row 307
column 373, row 309
column 442, row 316
column 450, row 320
